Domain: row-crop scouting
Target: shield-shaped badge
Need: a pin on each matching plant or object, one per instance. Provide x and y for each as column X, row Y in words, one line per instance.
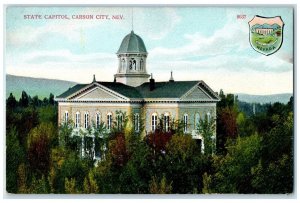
column 266, row 34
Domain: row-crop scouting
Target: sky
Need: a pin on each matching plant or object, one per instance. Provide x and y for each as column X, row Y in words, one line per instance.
column 196, row 43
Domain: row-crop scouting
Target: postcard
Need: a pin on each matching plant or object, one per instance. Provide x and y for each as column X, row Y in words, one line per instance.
column 149, row 100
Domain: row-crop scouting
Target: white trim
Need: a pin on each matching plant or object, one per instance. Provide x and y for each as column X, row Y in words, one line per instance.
column 106, row 90
column 99, row 86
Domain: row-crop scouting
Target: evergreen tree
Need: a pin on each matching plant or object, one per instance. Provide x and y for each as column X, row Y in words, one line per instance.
column 51, row 99
column 11, row 102
column 24, row 100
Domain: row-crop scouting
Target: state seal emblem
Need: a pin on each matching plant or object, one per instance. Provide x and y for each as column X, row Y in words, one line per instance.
column 266, row 34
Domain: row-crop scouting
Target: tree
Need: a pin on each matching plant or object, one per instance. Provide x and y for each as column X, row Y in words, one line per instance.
column 22, row 179
column 70, row 186
column 89, row 184
column 118, row 150
column 158, row 140
column 226, row 127
column 39, row 186
column 184, row 164
column 72, row 168
column 35, row 101
column 14, row 157
column 135, row 175
column 233, row 171
column 157, row 186
column 24, row 100
column 11, row 102
column 274, row 172
column 207, row 128
column 51, row 99
column 39, row 142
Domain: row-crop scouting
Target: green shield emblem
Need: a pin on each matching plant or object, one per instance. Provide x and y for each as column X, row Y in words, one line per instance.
column 266, row 34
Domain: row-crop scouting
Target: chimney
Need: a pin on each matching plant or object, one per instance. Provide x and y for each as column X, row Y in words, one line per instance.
column 94, row 78
column 152, row 83
column 171, row 78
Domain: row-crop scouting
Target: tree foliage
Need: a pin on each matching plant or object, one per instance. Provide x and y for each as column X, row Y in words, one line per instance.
column 254, row 152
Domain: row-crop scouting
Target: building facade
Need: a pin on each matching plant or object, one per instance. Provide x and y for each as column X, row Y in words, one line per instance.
column 136, row 93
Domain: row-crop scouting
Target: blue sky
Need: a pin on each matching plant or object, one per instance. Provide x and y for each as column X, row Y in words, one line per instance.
column 197, row 43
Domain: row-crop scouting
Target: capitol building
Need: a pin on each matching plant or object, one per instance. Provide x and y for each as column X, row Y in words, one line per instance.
column 135, row 92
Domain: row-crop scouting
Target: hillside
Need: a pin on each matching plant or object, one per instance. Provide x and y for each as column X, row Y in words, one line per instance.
column 35, row 86
column 282, row 98
column 43, row 87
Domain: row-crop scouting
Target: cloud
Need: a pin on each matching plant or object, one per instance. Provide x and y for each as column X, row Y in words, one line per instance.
column 233, row 37
column 160, row 22
column 65, row 56
column 63, row 64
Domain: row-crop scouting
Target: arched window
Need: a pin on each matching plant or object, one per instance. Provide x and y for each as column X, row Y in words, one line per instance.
column 197, row 120
column 134, row 64
column 66, row 117
column 77, row 120
column 141, row 64
column 123, row 64
column 86, row 119
column 109, row 121
column 208, row 116
column 185, row 123
column 167, row 122
column 130, row 65
column 120, row 121
column 98, row 118
column 136, row 122
column 154, row 121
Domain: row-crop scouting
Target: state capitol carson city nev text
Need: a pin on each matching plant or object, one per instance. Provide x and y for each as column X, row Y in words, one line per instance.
column 68, row 17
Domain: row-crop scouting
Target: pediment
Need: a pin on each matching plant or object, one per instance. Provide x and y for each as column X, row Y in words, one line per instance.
column 196, row 93
column 100, row 94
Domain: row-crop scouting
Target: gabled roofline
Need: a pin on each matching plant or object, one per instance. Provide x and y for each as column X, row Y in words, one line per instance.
column 98, row 85
column 197, row 85
column 210, row 90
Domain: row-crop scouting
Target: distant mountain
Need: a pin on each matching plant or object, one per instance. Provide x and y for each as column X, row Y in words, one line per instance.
column 282, row 98
column 35, row 86
column 43, row 87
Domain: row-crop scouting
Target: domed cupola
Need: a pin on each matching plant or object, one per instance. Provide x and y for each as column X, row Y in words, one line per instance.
column 132, row 56
column 132, row 43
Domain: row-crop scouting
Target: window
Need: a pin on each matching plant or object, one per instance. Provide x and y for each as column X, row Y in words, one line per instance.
column 208, row 117
column 132, row 64
column 120, row 121
column 123, row 64
column 77, row 120
column 167, row 122
column 98, row 118
column 185, row 123
column 136, row 122
column 154, row 121
column 141, row 64
column 86, row 120
column 66, row 117
column 109, row 121
column 197, row 120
